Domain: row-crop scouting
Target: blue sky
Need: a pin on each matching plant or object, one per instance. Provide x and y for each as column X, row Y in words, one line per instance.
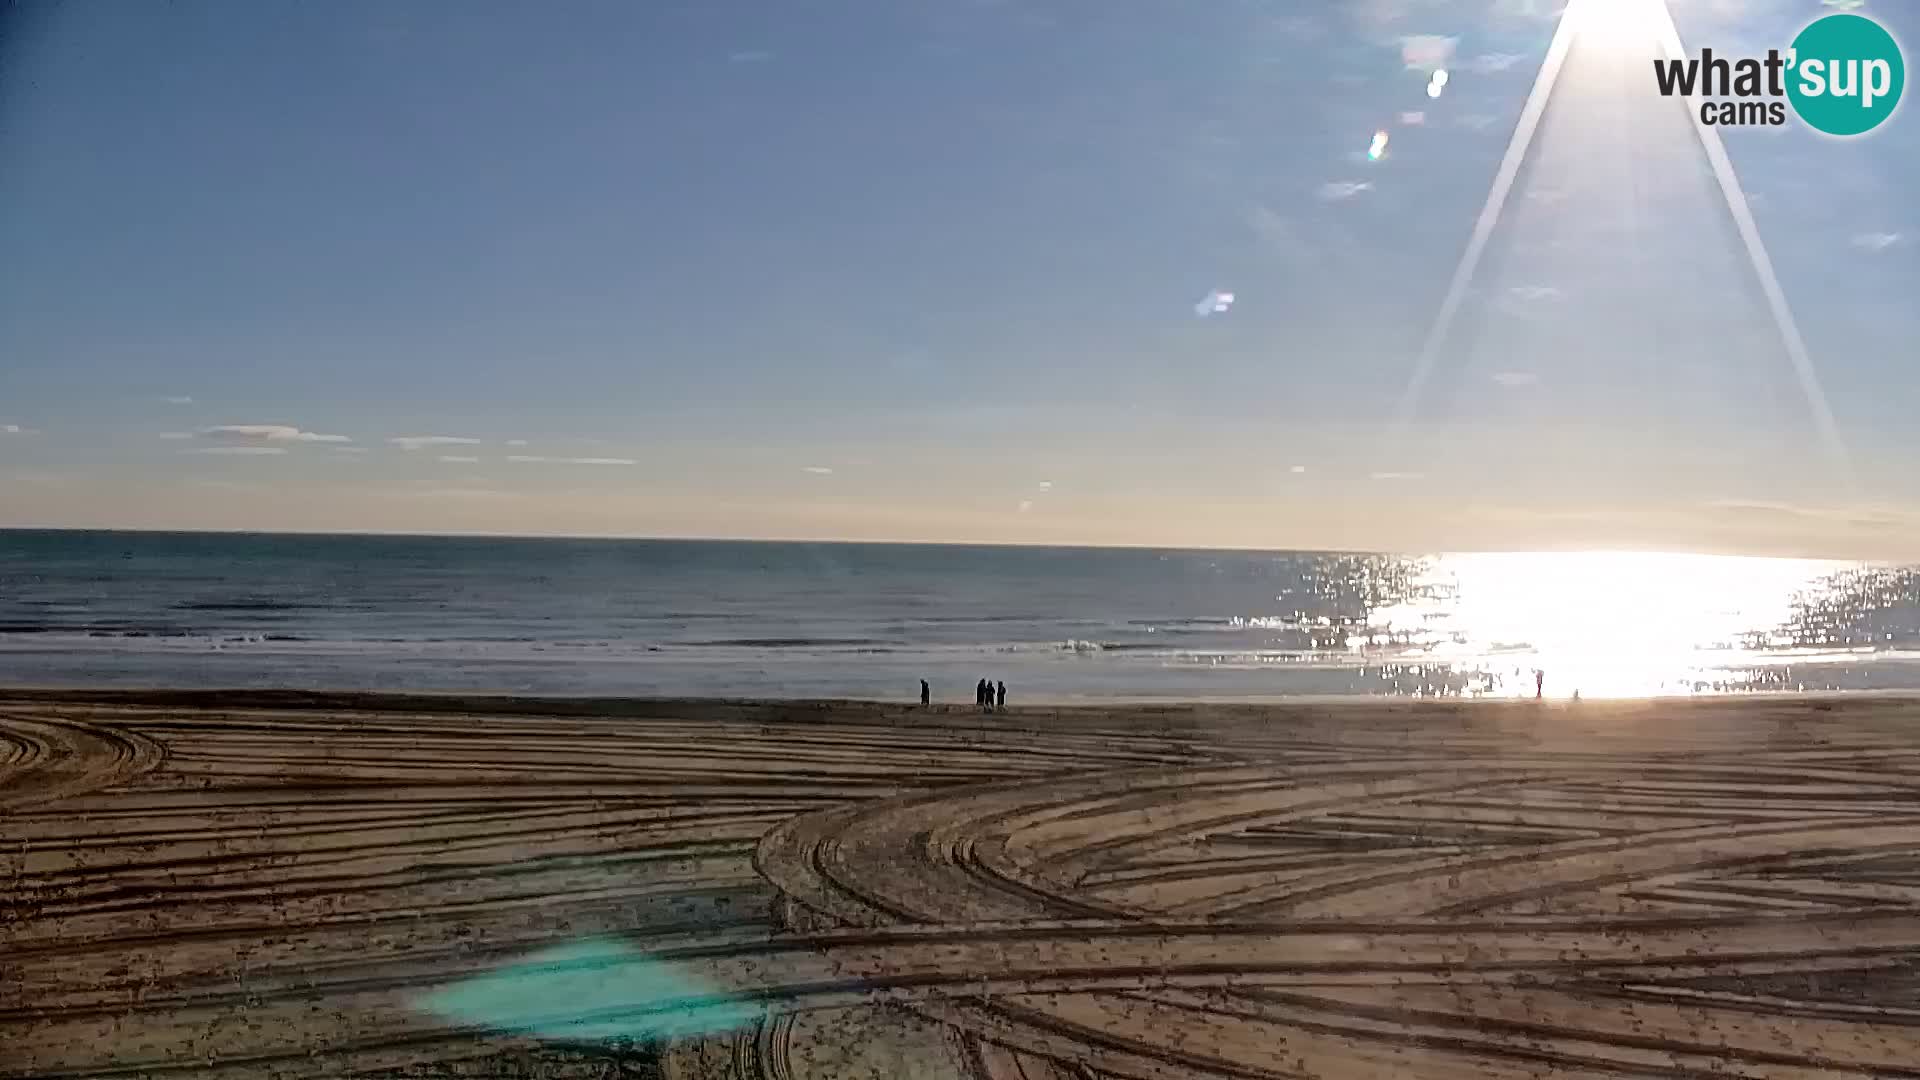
column 901, row 269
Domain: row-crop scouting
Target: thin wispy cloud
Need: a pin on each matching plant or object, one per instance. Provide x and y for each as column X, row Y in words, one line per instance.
column 1413, row 119
column 1529, row 9
column 817, row 470
column 516, row 442
column 177, row 399
column 12, row 429
column 267, row 433
column 1388, row 476
column 459, row 459
column 1876, row 242
column 1046, row 485
column 1425, row 52
column 238, row 451
column 1863, row 517
column 349, row 449
column 1026, row 505
column 464, row 493
column 1534, row 293
column 38, row 478
column 1273, row 228
column 1216, row 302
column 1515, row 378
column 1336, row 190
column 1301, row 27
column 421, row 442
column 1296, row 469
column 176, row 436
column 1494, row 62
column 539, row 459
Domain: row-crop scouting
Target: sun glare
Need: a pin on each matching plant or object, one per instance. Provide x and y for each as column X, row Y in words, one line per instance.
column 1604, row 623
column 1624, row 25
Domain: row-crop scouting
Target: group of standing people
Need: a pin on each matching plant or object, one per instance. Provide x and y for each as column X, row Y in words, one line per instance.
column 991, row 695
column 987, row 694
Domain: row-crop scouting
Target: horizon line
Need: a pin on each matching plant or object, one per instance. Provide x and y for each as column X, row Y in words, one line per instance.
column 1573, row 549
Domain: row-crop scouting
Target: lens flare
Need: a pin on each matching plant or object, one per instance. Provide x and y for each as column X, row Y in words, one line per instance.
column 1379, row 148
column 592, row 991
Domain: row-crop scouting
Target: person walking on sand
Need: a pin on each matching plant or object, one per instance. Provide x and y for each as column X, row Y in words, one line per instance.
column 1539, row 683
column 1000, row 698
column 926, row 694
column 980, row 693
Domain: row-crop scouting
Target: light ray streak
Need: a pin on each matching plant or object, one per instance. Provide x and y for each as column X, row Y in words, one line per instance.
column 1736, row 196
column 1483, row 228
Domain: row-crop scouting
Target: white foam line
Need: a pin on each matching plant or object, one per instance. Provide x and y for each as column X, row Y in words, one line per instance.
column 1483, row 228
column 1737, row 205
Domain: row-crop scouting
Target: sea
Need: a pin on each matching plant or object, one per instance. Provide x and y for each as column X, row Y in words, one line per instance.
column 869, row 621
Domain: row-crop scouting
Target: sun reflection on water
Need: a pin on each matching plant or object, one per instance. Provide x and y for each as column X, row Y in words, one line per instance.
column 1604, row 624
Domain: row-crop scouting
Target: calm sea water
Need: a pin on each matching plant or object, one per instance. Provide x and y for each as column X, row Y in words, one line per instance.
column 843, row 620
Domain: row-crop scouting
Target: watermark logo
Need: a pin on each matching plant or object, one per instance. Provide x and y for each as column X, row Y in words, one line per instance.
column 1843, row 75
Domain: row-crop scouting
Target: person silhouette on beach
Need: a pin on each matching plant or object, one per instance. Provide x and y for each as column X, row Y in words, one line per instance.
column 926, row 694
column 1000, row 699
column 1539, row 683
column 980, row 693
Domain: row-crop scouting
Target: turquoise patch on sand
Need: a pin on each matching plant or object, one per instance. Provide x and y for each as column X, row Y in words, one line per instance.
column 594, row 991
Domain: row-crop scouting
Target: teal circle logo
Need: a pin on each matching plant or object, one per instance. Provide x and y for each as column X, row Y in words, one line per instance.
column 1846, row 75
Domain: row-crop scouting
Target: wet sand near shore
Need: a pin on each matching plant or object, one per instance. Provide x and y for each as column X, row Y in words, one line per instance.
column 291, row 885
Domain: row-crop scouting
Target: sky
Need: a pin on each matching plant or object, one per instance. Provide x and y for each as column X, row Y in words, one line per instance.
column 1023, row 271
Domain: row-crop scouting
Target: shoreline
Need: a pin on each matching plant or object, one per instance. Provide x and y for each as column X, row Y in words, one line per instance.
column 679, row 706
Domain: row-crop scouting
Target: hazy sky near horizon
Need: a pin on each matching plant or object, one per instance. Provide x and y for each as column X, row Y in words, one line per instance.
column 906, row 269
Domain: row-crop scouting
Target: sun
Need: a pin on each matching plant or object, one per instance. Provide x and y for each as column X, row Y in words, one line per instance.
column 1626, row 25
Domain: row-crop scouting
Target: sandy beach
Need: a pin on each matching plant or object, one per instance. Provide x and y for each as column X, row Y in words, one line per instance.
column 260, row 884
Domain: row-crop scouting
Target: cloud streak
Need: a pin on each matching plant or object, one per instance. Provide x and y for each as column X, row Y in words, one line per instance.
column 1425, row 52
column 540, row 459
column 459, row 459
column 267, row 434
column 1490, row 63
column 238, row 451
column 1338, row 190
column 464, row 493
column 1216, row 302
column 421, row 442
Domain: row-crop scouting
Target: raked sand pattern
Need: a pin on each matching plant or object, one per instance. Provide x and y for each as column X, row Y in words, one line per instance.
column 208, row 886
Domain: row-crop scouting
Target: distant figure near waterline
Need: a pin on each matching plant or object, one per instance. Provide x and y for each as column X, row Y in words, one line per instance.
column 1539, row 684
column 1000, row 699
column 926, row 694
